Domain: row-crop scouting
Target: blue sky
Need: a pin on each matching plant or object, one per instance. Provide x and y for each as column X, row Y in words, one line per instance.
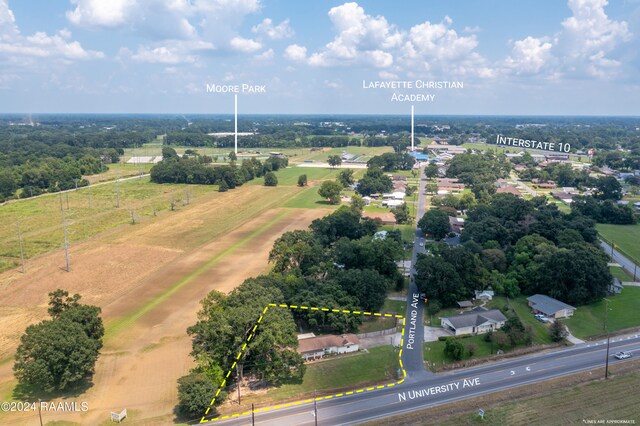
column 530, row 57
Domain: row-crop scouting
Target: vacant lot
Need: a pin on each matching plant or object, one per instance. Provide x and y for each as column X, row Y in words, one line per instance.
column 623, row 312
column 149, row 279
column 347, row 372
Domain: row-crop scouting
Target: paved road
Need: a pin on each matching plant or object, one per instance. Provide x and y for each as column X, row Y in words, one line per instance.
column 523, row 185
column 414, row 327
column 448, row 387
column 618, row 257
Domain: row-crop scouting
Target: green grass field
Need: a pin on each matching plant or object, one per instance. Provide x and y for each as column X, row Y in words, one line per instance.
column 620, row 273
column 433, row 352
column 40, row 218
column 397, row 306
column 348, row 372
column 522, row 309
column 625, row 237
column 623, row 312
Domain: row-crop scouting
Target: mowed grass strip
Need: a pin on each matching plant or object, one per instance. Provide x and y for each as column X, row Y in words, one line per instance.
column 116, row 326
column 624, row 309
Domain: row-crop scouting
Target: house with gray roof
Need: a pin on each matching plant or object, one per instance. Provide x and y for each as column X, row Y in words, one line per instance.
column 477, row 322
column 550, row 307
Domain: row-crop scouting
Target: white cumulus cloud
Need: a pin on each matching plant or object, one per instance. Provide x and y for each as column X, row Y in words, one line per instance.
column 274, row 32
column 295, row 53
column 245, row 44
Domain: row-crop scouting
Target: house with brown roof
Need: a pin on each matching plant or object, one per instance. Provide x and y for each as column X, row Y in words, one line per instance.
column 317, row 347
column 385, row 218
column 509, row 189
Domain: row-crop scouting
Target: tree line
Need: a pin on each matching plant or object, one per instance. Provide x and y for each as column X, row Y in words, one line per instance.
column 198, row 169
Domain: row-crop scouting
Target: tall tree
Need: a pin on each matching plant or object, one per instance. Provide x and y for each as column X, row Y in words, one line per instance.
column 334, row 160
column 270, row 179
column 331, row 191
column 435, row 222
column 345, row 177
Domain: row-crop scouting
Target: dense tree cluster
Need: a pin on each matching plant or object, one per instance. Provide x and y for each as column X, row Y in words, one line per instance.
column 197, row 169
column 518, row 246
column 60, row 354
column 374, row 181
column 603, row 211
column 479, row 171
column 392, row 161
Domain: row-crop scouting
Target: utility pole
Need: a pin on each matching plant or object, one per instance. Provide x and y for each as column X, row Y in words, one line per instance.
column 315, row 408
column 40, row 411
column 238, row 382
column 236, row 123
column 21, row 251
column 412, row 134
column 66, row 244
column 61, row 208
column 606, row 361
column 118, row 193
column 253, row 415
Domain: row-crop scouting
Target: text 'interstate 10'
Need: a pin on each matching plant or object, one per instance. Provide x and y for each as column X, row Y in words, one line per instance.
column 531, row 144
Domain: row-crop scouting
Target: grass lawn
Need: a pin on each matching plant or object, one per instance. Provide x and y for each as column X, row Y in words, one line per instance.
column 397, row 306
column 348, row 372
column 624, row 311
column 522, row 309
column 620, row 273
column 289, row 175
column 626, row 237
column 371, row 324
column 308, row 198
column 433, row 352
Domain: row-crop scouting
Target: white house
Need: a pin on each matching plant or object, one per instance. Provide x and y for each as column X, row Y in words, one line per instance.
column 478, row 322
column 393, row 203
column 318, row 347
column 484, row 294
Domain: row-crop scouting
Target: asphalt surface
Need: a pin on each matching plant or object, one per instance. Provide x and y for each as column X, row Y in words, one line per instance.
column 447, row 387
column 414, row 325
column 618, row 257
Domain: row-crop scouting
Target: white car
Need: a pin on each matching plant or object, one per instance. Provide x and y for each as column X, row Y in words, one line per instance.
column 623, row 355
column 421, row 244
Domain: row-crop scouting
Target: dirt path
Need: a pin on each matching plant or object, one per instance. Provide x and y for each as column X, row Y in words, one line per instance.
column 148, row 284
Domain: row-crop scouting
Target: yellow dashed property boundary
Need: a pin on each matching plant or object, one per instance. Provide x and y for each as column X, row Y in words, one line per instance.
column 290, row 404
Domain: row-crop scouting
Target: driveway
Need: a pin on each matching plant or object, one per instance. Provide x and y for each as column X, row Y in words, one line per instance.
column 431, row 334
